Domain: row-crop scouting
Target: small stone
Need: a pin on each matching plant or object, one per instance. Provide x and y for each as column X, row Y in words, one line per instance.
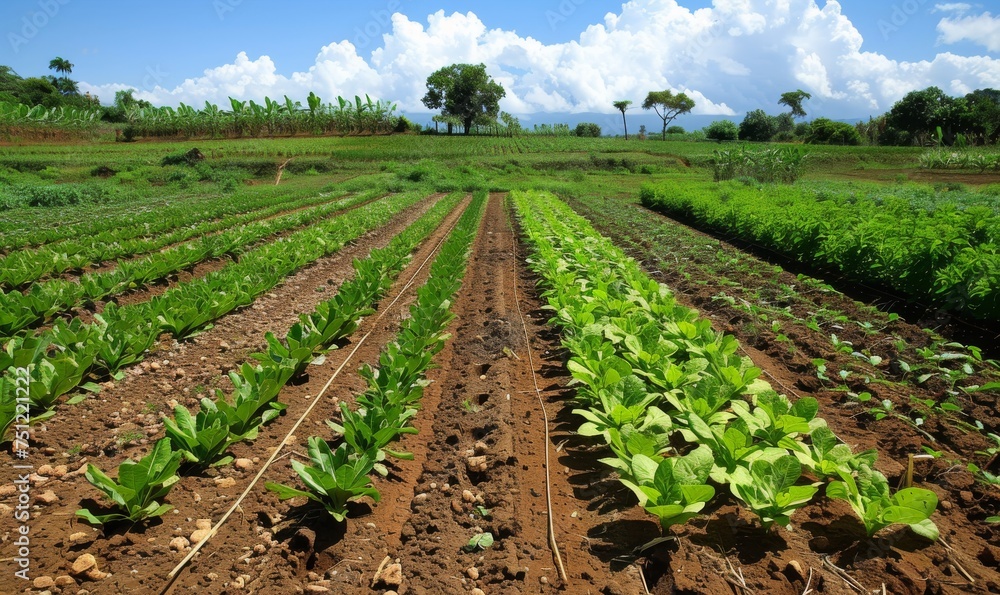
column 8, row 490
column 179, row 373
column 80, row 537
column 456, row 507
column 84, row 563
column 794, row 566
column 154, row 366
column 434, row 486
column 477, row 591
column 390, row 593
column 203, row 524
column 317, row 589
column 45, row 470
column 239, row 582
column 966, row 496
column 260, row 548
column 946, row 504
column 200, row 534
column 225, row 482
column 477, row 463
column 481, row 447
column 47, row 497
column 223, row 346
column 482, row 376
column 179, row 543
column 468, row 496
column 211, row 576
column 43, row 582
column 243, row 464
column 472, row 573
column 544, row 580
column 420, row 497
column 65, row 581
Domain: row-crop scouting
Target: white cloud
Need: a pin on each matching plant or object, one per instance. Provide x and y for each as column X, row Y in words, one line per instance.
column 736, row 56
column 983, row 29
column 959, row 7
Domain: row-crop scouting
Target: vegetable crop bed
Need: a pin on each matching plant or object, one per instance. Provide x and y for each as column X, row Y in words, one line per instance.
column 461, row 391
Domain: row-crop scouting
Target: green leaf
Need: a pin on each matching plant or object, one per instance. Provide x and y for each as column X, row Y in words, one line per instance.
column 479, row 541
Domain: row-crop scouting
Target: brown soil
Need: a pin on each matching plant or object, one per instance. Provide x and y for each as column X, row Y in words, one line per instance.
column 482, row 402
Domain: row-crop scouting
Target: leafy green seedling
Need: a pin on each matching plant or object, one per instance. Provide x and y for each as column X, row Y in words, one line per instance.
column 479, row 541
column 333, row 480
column 868, row 495
column 139, row 486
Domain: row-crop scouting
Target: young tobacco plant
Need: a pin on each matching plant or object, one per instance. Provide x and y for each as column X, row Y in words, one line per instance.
column 868, row 494
column 201, row 439
column 334, row 479
column 771, row 492
column 139, row 488
column 674, row 489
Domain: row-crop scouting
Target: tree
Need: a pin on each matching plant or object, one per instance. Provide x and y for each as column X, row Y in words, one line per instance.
column 983, row 120
column 621, row 106
column 63, row 84
column 920, row 113
column 466, row 92
column 794, row 99
column 668, row 106
column 827, row 132
column 757, row 126
column 721, row 130
column 588, row 129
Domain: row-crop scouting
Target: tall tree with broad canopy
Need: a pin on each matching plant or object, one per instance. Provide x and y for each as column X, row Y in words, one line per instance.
column 668, row 106
column 794, row 99
column 466, row 92
column 621, row 106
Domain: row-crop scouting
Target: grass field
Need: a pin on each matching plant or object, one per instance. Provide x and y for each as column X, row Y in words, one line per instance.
column 536, row 356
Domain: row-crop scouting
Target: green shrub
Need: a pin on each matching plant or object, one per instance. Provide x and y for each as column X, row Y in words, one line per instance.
column 588, row 129
column 721, row 130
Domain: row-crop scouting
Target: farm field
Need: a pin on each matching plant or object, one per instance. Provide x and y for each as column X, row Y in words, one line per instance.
column 540, row 358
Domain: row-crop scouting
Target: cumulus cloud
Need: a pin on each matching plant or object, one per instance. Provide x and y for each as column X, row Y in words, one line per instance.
column 982, row 29
column 730, row 58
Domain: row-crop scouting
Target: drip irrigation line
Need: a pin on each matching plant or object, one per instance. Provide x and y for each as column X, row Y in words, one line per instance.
column 545, row 416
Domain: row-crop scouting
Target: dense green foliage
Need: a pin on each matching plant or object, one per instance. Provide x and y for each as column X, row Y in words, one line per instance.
column 928, row 247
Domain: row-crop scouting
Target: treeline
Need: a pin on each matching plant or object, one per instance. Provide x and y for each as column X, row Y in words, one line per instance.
column 923, row 118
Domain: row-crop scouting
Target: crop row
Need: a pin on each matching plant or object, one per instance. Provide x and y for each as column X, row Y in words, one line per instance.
column 59, row 359
column 946, row 257
column 383, row 413
column 202, row 439
column 26, row 266
column 103, row 224
column 654, row 375
column 44, row 300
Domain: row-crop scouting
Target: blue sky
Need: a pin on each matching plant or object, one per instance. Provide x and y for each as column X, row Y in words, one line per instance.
column 855, row 56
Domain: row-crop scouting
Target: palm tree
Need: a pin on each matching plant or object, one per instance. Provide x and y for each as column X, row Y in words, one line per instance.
column 622, row 106
column 63, row 66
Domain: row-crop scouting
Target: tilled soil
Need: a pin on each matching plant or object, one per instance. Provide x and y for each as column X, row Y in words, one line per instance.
column 480, row 463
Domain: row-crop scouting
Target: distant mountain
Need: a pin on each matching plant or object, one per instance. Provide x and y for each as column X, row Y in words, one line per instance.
column 611, row 123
